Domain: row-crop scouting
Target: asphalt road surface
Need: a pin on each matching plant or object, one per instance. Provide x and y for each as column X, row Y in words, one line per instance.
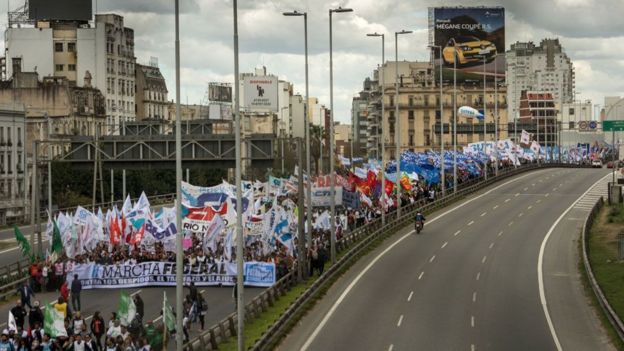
column 469, row 281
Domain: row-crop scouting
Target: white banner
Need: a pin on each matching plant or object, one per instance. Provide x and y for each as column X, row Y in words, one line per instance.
column 321, row 196
column 96, row 276
column 260, row 93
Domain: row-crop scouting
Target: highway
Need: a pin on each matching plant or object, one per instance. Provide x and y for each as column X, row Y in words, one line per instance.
column 470, row 280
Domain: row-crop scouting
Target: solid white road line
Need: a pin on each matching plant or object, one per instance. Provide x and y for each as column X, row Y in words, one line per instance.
column 495, row 207
column 9, row 250
column 444, row 245
column 474, row 296
column 483, row 214
column 421, row 275
column 457, row 233
column 432, row 258
column 540, row 264
column 409, row 298
column 470, row 223
column 400, row 320
column 351, row 285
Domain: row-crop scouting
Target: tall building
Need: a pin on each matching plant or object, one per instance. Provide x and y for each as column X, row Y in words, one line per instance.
column 296, row 110
column 359, row 120
column 544, row 68
column 151, row 93
column 12, row 163
column 419, row 110
column 102, row 50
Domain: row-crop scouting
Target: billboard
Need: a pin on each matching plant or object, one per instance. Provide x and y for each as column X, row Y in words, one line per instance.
column 72, row 10
column 219, row 92
column 469, row 38
column 260, row 93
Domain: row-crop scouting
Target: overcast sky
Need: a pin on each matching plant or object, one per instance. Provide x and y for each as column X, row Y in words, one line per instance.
column 591, row 31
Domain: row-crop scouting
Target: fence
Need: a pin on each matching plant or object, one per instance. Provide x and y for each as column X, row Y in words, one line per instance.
column 613, row 318
column 355, row 242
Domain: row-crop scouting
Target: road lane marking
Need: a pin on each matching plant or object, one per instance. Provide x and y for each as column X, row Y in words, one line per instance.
column 409, row 298
column 421, row 275
column 525, row 189
column 500, row 233
column 507, row 200
column 540, row 264
column 533, row 184
column 530, row 207
column 483, row 214
column 516, row 194
column 390, row 347
column 520, row 214
column 400, row 320
column 546, row 195
column 474, row 296
column 484, row 259
column 495, row 207
column 444, row 245
column 510, row 223
column 470, row 223
column 478, row 275
column 538, row 201
column 472, row 321
column 457, row 233
column 472, row 347
column 491, row 246
column 432, row 258
column 351, row 285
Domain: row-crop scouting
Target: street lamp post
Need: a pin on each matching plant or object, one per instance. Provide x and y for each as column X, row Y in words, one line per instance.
column 455, row 122
column 397, row 125
column 331, row 137
column 306, row 121
column 496, row 113
column 383, row 148
column 485, row 118
column 442, row 163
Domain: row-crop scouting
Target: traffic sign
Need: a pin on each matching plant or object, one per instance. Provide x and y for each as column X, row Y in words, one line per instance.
column 609, row 126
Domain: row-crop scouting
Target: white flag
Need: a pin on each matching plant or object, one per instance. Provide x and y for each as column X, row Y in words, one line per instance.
column 12, row 325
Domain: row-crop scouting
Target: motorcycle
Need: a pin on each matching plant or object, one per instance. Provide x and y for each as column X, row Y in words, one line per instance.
column 419, row 226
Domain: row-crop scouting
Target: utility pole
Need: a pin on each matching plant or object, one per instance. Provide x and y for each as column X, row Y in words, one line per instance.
column 302, row 272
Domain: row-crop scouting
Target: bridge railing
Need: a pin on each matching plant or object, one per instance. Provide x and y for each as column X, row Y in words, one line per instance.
column 348, row 248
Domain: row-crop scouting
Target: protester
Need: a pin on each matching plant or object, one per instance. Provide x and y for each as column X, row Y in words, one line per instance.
column 19, row 313
column 98, row 328
column 76, row 288
column 25, row 294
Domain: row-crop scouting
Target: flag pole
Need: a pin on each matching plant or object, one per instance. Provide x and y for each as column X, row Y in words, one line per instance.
column 164, row 320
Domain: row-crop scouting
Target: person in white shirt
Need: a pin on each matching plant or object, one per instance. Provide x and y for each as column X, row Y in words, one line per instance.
column 114, row 330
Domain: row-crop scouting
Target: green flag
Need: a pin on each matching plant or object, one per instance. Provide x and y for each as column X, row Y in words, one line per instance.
column 57, row 243
column 53, row 322
column 22, row 242
column 168, row 318
column 154, row 337
column 127, row 309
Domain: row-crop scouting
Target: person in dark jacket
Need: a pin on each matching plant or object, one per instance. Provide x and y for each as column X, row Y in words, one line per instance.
column 193, row 292
column 98, row 328
column 35, row 315
column 25, row 293
column 76, row 288
column 140, row 306
column 19, row 313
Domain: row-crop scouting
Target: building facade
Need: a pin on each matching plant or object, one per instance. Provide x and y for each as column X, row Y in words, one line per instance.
column 102, row 50
column 297, row 110
column 13, row 186
column 359, row 120
column 151, row 94
column 545, row 68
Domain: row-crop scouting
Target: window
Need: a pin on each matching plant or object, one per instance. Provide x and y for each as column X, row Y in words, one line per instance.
column 1, row 135
column 59, row 68
column 58, row 47
column 411, row 140
column 19, row 136
column 392, row 114
column 71, row 47
column 571, row 111
column 571, row 125
column 426, row 100
column 71, row 67
column 410, row 115
column 9, row 163
column 9, row 137
column 410, row 100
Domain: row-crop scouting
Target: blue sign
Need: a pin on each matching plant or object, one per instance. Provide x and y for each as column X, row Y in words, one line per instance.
column 259, row 274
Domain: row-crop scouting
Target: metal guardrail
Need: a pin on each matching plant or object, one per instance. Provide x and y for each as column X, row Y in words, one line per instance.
column 356, row 242
column 612, row 316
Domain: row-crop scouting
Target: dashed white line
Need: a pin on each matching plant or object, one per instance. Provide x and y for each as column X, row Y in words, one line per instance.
column 510, row 223
column 546, row 195
column 470, row 223
column 409, row 298
column 432, row 258
column 538, row 201
column 421, row 275
column 530, row 207
column 400, row 320
column 474, row 296
column 444, row 245
column 500, row 233
column 520, row 214
column 483, row 214
column 507, row 200
column 516, row 194
column 484, row 259
column 491, row 246
column 478, row 275
column 495, row 207
column 390, row 347
column 525, row 189
column 533, row 184
column 472, row 347
column 472, row 321
column 457, row 233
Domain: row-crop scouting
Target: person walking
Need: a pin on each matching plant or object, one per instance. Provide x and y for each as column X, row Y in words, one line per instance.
column 98, row 328
column 35, row 315
column 76, row 288
column 19, row 313
column 25, row 294
column 202, row 307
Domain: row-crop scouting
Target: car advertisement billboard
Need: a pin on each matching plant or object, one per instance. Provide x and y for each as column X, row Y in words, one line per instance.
column 219, row 92
column 260, row 93
column 472, row 39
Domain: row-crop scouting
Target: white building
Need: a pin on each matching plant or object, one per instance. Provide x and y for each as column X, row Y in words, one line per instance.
column 297, row 109
column 544, row 68
column 12, row 163
column 103, row 50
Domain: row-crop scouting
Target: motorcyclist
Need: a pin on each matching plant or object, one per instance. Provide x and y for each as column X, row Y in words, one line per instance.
column 420, row 217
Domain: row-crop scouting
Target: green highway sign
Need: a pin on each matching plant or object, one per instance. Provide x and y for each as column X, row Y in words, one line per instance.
column 609, row 126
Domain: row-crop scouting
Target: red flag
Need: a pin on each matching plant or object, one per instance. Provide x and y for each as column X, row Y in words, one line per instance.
column 138, row 236
column 389, row 187
column 115, row 232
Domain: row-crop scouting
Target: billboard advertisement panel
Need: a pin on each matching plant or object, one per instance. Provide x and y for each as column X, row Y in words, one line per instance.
column 469, row 38
column 71, row 10
column 219, row 92
column 260, row 93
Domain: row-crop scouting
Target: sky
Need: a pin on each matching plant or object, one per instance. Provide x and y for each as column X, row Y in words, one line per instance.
column 591, row 32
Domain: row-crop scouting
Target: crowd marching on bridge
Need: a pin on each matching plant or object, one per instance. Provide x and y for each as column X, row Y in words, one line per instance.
column 137, row 234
